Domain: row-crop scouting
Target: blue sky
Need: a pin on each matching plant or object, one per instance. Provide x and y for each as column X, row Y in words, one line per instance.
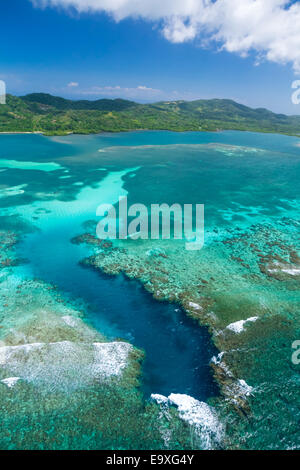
column 92, row 55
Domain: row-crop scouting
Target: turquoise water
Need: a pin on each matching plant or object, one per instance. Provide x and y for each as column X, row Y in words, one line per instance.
column 177, row 350
column 249, row 184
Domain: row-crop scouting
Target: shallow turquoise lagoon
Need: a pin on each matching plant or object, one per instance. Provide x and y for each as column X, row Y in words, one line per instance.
column 177, row 351
column 245, row 180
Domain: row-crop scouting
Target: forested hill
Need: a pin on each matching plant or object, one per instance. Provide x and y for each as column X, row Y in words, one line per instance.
column 52, row 115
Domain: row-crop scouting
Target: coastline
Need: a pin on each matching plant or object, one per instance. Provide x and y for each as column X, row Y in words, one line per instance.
column 45, row 134
column 21, row 132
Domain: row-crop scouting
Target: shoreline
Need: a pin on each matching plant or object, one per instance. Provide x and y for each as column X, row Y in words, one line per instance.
column 216, row 131
column 21, row 132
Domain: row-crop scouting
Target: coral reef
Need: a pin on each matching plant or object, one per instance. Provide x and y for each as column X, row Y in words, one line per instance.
column 252, row 312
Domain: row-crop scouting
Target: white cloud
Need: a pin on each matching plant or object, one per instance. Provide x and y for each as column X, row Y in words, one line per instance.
column 73, row 84
column 140, row 92
column 271, row 28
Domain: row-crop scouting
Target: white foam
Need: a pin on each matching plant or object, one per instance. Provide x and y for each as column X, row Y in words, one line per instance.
column 160, row 399
column 65, row 365
column 245, row 389
column 10, row 381
column 198, row 414
column 110, row 358
column 239, row 326
column 7, row 352
column 293, row 271
column 217, row 359
column 195, row 306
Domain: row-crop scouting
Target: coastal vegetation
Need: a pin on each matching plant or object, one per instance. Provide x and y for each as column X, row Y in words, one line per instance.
column 51, row 115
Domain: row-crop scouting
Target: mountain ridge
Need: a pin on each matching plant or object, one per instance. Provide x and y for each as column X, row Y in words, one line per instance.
column 54, row 115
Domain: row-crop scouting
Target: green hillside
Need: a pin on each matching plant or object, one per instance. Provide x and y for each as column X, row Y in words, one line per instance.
column 41, row 112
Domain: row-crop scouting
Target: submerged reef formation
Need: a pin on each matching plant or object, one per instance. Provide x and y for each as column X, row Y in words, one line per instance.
column 7, row 242
column 199, row 415
column 244, row 285
column 63, row 385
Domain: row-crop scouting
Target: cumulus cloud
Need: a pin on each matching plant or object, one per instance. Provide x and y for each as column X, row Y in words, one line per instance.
column 73, row 84
column 270, row 28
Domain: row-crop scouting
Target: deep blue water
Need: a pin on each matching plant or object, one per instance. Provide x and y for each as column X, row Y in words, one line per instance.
column 177, row 350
